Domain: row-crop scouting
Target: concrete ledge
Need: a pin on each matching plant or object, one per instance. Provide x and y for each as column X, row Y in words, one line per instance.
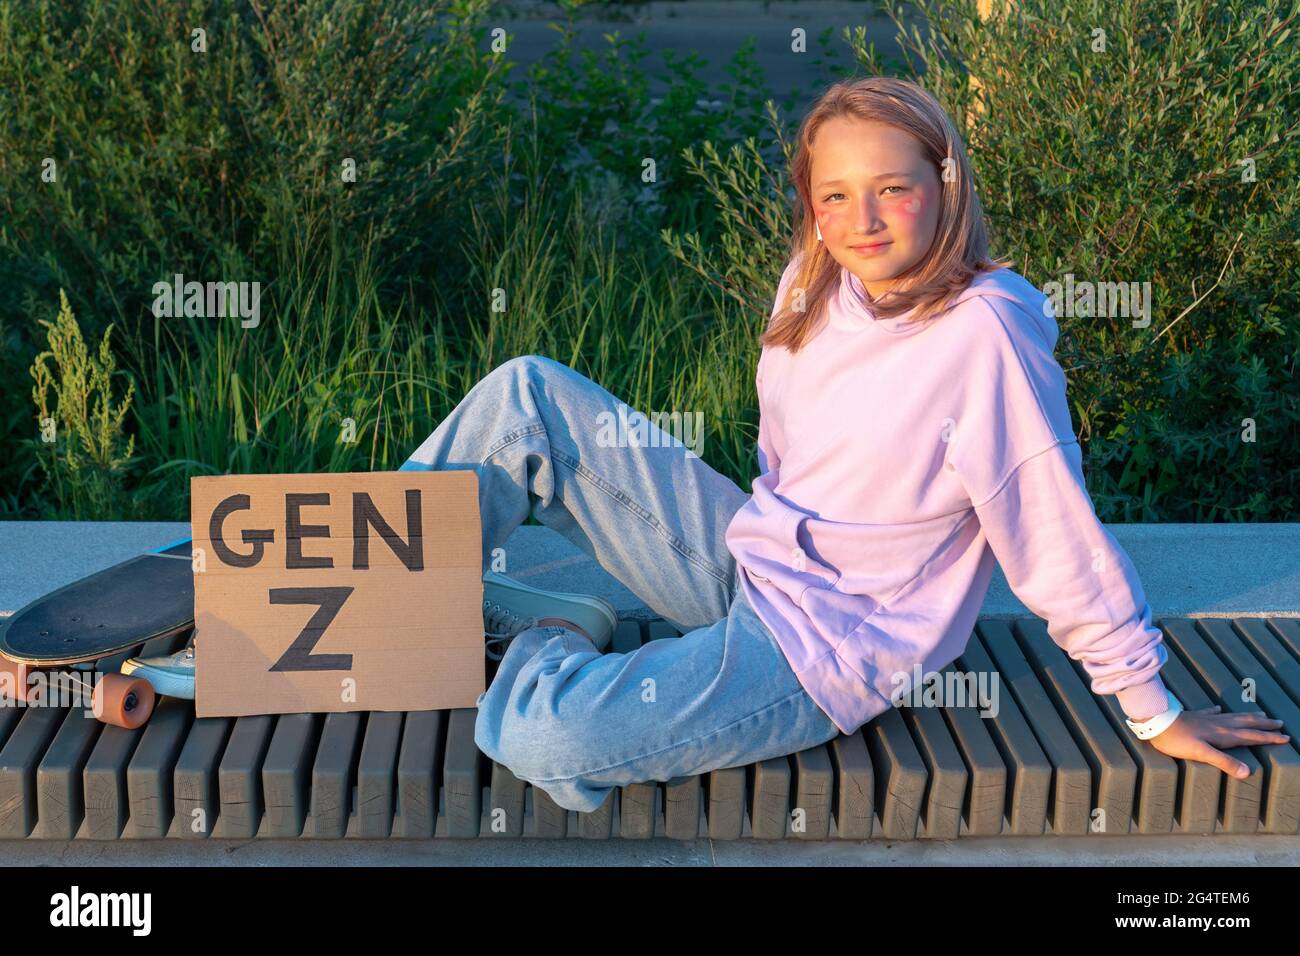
column 969, row 851
column 1187, row 570
column 38, row 556
column 1200, row 570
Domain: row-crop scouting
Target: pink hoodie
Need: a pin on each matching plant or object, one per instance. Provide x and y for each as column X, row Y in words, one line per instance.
column 897, row 461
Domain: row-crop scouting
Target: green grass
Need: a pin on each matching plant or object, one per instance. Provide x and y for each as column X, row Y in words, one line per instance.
column 378, row 296
column 274, row 398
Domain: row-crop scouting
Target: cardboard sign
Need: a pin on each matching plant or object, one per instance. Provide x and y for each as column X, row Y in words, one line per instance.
column 337, row 592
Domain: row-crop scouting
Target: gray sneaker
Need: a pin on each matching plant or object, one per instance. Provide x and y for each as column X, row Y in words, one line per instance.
column 510, row 606
column 171, row 675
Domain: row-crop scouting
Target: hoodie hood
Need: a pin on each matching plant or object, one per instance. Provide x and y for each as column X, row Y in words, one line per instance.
column 1007, row 289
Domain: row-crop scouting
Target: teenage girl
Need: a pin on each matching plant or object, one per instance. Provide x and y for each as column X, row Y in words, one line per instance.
column 913, row 429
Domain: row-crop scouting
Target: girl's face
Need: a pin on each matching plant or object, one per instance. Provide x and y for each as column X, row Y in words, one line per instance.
column 876, row 198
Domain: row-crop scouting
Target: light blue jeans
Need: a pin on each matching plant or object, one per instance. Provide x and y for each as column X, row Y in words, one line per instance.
column 559, row 714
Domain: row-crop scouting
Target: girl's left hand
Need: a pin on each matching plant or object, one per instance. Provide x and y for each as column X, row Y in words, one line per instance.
column 1197, row 735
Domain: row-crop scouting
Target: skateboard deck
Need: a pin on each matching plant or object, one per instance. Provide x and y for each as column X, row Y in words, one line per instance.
column 114, row 610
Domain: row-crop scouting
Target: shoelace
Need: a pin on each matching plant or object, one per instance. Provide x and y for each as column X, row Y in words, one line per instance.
column 501, row 627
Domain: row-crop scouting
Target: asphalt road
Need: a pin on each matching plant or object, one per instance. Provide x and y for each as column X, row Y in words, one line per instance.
column 714, row 30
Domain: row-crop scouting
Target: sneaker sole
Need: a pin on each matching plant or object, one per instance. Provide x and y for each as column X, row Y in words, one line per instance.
column 164, row 682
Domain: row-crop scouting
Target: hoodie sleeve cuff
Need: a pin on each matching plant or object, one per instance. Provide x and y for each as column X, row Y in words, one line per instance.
column 1144, row 701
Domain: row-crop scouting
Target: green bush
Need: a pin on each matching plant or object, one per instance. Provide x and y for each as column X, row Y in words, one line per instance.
column 378, row 296
column 1118, row 166
column 1118, row 156
column 82, row 448
column 220, row 164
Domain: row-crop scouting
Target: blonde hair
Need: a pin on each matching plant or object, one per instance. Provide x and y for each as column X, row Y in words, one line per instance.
column 959, row 250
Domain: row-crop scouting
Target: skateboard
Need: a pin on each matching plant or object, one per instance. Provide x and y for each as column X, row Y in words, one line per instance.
column 93, row 625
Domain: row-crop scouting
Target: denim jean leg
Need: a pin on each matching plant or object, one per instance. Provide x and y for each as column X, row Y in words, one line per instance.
column 573, row 721
column 539, row 435
column 577, row 724
column 539, row 649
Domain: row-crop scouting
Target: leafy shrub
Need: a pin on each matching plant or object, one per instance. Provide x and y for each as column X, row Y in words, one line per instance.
column 1123, row 165
column 380, row 294
column 82, row 445
column 1115, row 143
column 127, row 155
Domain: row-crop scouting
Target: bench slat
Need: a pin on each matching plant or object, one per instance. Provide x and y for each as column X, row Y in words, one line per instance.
column 724, row 803
column 1029, row 772
column 550, row 820
column 59, row 798
column 1070, row 802
column 507, row 799
column 377, row 775
column 286, row 774
column 419, row 773
column 814, row 791
column 948, row 778
column 854, row 805
column 637, row 806
column 1114, row 773
column 1202, row 783
column 1288, row 633
column 18, row 762
column 332, row 775
column 104, row 783
column 196, row 792
column 984, row 806
column 152, row 771
column 769, row 802
column 462, row 778
column 239, row 778
column 598, row 824
column 900, row 775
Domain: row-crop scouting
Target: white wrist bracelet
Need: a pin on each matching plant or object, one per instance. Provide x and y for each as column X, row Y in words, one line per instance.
column 1147, row 729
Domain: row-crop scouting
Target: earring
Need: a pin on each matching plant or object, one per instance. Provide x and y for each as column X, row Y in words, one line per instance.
column 819, row 232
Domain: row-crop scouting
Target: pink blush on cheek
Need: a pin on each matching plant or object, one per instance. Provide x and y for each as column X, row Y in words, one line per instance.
column 912, row 207
column 825, row 216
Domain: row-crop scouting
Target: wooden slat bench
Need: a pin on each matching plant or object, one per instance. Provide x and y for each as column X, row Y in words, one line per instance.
column 1055, row 759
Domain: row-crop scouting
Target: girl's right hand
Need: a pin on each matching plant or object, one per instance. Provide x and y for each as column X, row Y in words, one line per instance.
column 1198, row 735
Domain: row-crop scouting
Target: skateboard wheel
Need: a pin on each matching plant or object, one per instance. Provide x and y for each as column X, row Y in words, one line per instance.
column 13, row 680
column 123, row 701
